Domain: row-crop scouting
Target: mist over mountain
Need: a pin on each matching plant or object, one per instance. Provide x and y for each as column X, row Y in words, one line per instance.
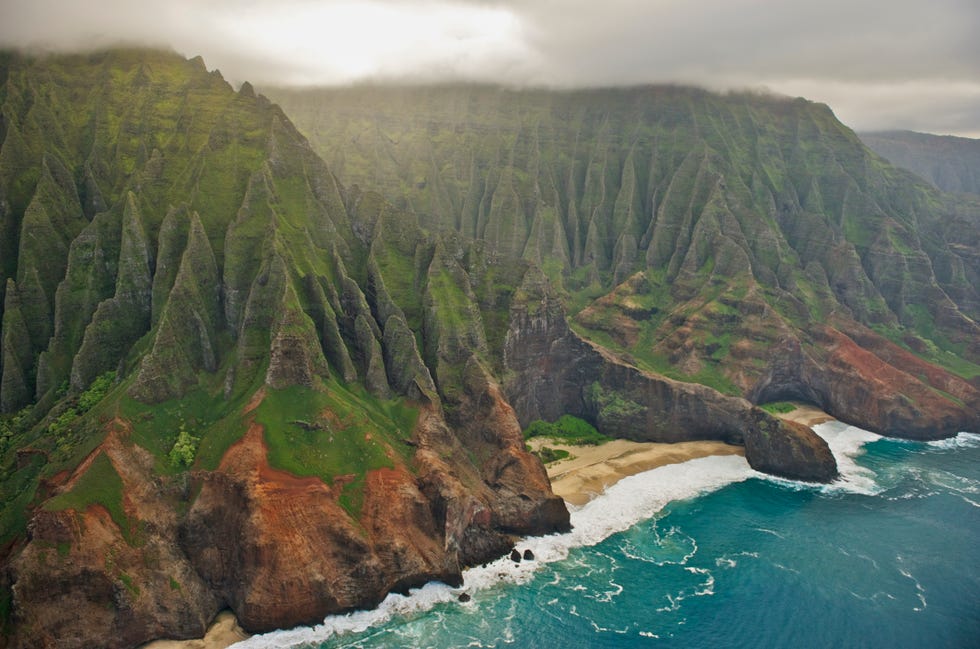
column 877, row 67
column 193, row 373
column 286, row 374
column 602, row 184
column 950, row 163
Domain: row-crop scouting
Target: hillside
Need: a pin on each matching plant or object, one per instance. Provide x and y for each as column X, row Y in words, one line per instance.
column 213, row 402
column 950, row 163
column 231, row 381
column 746, row 242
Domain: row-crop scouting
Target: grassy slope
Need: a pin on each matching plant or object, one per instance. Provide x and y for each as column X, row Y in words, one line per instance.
column 169, row 134
column 338, row 432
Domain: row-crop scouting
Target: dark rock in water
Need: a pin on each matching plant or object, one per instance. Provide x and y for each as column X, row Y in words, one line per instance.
column 464, row 597
column 515, row 556
column 528, row 555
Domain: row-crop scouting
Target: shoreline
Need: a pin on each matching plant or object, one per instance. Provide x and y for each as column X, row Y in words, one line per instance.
column 805, row 414
column 223, row 632
column 585, row 474
column 589, row 470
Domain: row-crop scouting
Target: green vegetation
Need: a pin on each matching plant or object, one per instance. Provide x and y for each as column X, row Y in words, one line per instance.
column 939, row 350
column 62, row 429
column 778, row 407
column 99, row 485
column 334, row 432
column 568, row 430
column 17, row 491
column 159, row 223
column 6, row 600
column 950, row 163
column 215, row 420
column 693, row 211
column 66, row 429
column 6, row 434
column 710, row 374
column 184, row 449
column 96, row 392
column 547, row 455
column 613, row 407
column 129, row 584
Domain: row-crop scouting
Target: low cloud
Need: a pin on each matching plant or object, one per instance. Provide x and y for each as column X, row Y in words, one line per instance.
column 901, row 64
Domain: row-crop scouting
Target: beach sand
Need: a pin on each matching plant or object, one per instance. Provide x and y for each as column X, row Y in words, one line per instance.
column 591, row 469
column 578, row 479
column 223, row 632
column 806, row 414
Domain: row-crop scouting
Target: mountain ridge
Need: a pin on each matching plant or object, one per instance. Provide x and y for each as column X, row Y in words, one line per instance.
column 739, row 222
column 199, row 336
column 949, row 162
column 232, row 380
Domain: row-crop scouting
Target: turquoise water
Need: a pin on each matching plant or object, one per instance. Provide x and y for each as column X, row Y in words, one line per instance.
column 711, row 554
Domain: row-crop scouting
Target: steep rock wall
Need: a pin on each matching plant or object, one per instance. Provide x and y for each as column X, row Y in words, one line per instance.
column 553, row 371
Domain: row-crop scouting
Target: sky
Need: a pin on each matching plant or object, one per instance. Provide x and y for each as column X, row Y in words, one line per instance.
column 880, row 64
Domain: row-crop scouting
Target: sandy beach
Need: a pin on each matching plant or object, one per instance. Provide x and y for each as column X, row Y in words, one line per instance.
column 578, row 479
column 806, row 414
column 591, row 469
column 222, row 633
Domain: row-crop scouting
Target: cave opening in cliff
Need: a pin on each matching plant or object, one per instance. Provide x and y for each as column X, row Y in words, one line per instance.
column 796, row 391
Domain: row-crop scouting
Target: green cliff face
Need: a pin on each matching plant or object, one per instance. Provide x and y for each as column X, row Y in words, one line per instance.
column 194, row 309
column 226, row 368
column 698, row 233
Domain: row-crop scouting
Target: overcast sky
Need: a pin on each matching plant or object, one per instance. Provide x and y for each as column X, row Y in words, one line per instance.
column 911, row 64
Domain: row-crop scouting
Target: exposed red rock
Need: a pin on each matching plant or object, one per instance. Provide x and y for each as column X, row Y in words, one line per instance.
column 276, row 548
column 862, row 385
column 76, row 562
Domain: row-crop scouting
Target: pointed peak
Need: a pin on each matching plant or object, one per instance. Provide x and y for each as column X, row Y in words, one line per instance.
column 197, row 227
column 55, row 170
column 247, row 90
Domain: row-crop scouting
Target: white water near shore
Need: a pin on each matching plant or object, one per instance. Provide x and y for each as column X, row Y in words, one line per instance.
column 963, row 440
column 619, row 507
column 847, row 442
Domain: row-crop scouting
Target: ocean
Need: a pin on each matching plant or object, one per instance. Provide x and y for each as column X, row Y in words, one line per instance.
column 710, row 553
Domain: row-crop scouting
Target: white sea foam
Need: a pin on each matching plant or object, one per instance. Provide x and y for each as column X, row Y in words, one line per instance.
column 708, row 586
column 953, row 482
column 961, row 440
column 920, row 592
column 621, row 506
column 847, row 442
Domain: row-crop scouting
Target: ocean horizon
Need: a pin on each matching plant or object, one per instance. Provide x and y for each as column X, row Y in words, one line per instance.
column 710, row 553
